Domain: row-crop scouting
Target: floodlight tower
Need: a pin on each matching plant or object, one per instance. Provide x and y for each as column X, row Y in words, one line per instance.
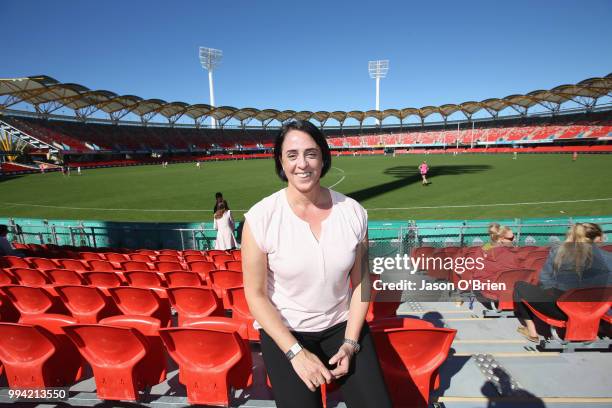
column 378, row 69
column 210, row 58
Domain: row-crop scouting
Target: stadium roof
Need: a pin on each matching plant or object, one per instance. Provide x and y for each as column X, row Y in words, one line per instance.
column 47, row 95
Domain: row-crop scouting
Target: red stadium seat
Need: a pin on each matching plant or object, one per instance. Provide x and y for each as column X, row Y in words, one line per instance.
column 192, row 252
column 149, row 327
column 206, row 359
column 213, row 252
column 584, row 309
column 13, row 262
column 168, row 266
column 86, row 304
column 220, row 260
column 140, row 257
column 119, row 357
column 183, row 278
column 240, row 311
column 42, row 263
column 233, row 266
column 90, row 256
column 194, row 303
column 103, row 279
column 193, row 258
column 65, row 277
column 169, row 252
column 409, row 359
column 7, row 278
column 31, row 300
column 30, row 277
column 142, row 302
column 202, row 268
column 135, row 266
column 144, row 279
column 115, row 257
column 237, row 254
column 73, row 264
column 101, row 266
column 33, row 358
column 223, row 280
column 54, row 323
column 148, row 252
column 168, row 258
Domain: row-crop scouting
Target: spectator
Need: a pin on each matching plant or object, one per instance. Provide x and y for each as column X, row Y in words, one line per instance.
column 577, row 263
column 218, row 200
column 6, row 248
column 302, row 248
column 224, row 224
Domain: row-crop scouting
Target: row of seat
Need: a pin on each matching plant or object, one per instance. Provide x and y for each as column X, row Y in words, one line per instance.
column 127, row 355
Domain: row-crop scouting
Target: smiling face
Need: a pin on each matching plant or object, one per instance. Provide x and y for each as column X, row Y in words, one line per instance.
column 302, row 160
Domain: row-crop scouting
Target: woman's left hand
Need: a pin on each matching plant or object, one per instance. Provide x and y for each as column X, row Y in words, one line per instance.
column 342, row 359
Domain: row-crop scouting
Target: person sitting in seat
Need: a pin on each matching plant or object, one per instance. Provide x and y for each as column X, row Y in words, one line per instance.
column 6, row 248
column 499, row 254
column 577, row 263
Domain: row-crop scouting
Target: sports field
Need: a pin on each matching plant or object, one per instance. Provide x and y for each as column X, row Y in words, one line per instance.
column 462, row 187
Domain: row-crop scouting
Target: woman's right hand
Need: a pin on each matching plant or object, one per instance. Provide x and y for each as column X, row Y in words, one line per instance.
column 311, row 370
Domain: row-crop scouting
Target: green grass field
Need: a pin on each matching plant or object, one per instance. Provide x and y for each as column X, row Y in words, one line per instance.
column 463, row 187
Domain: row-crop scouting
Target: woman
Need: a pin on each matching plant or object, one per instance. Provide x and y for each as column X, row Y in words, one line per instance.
column 304, row 257
column 577, row 263
column 423, row 169
column 224, row 224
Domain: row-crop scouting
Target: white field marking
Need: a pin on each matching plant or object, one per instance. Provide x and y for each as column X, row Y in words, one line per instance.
column 339, row 181
column 490, row 205
column 369, row 209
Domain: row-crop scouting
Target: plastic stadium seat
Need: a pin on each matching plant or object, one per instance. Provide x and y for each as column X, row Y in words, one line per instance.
column 183, row 278
column 233, row 266
column 142, row 302
column 65, row 277
column 409, row 359
column 536, row 263
column 213, row 252
column 149, row 327
column 144, row 279
column 90, row 256
column 207, row 360
column 135, row 266
column 54, row 323
column 42, row 263
column 168, row 258
column 169, row 252
column 237, row 254
column 33, row 358
column 509, row 278
column 220, row 260
column 607, row 248
column 584, row 309
column 30, row 300
column 223, row 280
column 140, row 257
column 103, row 279
column 119, row 357
column 73, row 264
column 115, row 257
column 8, row 312
column 167, row 266
column 7, row 278
column 13, row 262
column 194, row 303
column 240, row 311
column 225, row 324
column 193, row 258
column 148, row 252
column 202, row 268
column 101, row 266
column 192, row 252
column 87, row 304
column 30, row 277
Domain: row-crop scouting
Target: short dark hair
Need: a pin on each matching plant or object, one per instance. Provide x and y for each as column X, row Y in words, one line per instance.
column 314, row 132
column 218, row 195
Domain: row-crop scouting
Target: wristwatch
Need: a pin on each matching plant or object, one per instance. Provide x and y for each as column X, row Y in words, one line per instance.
column 293, row 351
column 353, row 343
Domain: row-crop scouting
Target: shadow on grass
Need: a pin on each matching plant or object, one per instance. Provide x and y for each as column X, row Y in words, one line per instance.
column 407, row 175
column 7, row 177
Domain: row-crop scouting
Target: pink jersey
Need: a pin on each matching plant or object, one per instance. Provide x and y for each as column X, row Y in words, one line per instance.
column 423, row 168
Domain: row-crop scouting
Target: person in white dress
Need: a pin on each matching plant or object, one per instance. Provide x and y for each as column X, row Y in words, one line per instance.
column 224, row 224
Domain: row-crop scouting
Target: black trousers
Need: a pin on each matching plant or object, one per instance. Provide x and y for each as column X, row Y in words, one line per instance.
column 362, row 387
column 542, row 300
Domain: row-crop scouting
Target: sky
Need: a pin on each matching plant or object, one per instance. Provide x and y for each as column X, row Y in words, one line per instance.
column 310, row 55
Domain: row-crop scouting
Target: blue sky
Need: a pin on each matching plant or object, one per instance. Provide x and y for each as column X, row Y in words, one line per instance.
column 310, row 55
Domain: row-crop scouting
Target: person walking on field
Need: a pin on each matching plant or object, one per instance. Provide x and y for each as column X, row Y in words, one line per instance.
column 423, row 169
